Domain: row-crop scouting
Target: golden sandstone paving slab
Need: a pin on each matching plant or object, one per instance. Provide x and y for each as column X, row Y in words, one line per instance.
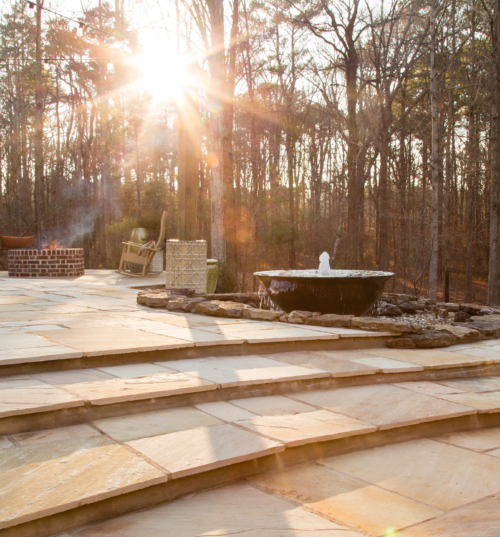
column 427, row 388
column 72, row 432
column 204, row 448
column 111, row 339
column 19, row 299
column 133, row 370
column 384, row 405
column 480, row 519
column 334, row 363
column 21, row 340
column 105, row 392
column 272, row 405
column 225, row 411
column 429, row 358
column 72, row 376
column 481, row 384
column 300, row 429
column 480, row 440
column 243, row 370
column 33, row 354
column 238, row 509
column 427, row 471
column 27, row 396
column 45, row 479
column 388, row 365
column 284, row 334
column 198, row 337
column 145, row 424
column 483, row 402
column 345, row 499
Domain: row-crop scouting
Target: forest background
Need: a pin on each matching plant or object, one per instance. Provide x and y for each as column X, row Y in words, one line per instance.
column 368, row 129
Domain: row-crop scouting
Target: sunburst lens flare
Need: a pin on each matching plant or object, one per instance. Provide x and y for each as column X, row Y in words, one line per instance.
column 164, row 73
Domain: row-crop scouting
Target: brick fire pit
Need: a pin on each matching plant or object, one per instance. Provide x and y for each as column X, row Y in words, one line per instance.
column 53, row 263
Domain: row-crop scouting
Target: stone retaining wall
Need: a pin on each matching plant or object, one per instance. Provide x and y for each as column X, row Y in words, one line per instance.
column 55, row 263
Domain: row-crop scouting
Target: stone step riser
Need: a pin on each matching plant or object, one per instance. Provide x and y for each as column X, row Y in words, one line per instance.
column 83, row 414
column 106, row 360
column 154, row 495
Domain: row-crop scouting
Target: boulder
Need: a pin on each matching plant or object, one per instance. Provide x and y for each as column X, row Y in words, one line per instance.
column 463, row 333
column 492, row 317
column 369, row 323
column 398, row 296
column 245, row 298
column 183, row 304
column 283, row 318
column 330, row 320
column 489, row 329
column 473, row 309
column 406, row 307
column 153, row 300
column 462, row 317
column 450, row 306
column 429, row 339
column 401, row 343
column 261, row 315
column 418, row 306
column 389, row 310
column 441, row 312
column 218, row 308
column 299, row 316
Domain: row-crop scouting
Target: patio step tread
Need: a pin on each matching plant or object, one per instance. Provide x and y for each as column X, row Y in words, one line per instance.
column 100, row 392
column 43, row 473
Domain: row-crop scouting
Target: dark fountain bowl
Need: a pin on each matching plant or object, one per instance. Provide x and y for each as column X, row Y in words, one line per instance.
column 345, row 292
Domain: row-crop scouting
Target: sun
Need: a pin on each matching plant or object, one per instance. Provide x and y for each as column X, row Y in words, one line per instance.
column 163, row 70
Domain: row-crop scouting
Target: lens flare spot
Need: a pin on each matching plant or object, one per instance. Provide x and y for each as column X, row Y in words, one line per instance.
column 212, row 160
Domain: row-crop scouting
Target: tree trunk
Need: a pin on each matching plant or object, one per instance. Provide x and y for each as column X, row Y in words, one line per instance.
column 289, row 142
column 434, row 245
column 384, row 193
column 39, row 163
column 216, row 63
column 353, row 201
column 471, row 182
column 493, row 269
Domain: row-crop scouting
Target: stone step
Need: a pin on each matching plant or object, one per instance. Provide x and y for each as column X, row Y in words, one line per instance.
column 447, row 485
column 247, row 512
column 58, row 479
column 70, row 397
column 137, row 340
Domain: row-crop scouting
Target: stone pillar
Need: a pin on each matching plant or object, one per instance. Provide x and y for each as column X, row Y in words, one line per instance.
column 186, row 266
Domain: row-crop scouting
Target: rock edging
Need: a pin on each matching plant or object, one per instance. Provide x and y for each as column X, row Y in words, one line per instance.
column 466, row 322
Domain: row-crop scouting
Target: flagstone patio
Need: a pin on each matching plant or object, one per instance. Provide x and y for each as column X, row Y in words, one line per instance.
column 114, row 408
column 43, row 320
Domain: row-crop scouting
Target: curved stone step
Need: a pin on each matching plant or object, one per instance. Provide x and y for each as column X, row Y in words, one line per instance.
column 69, row 397
column 55, row 480
column 444, row 486
column 137, row 340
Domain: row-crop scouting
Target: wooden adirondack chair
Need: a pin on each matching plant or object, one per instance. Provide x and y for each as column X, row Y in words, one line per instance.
column 141, row 254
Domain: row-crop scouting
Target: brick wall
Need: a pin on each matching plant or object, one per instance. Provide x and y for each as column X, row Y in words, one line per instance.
column 56, row 263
